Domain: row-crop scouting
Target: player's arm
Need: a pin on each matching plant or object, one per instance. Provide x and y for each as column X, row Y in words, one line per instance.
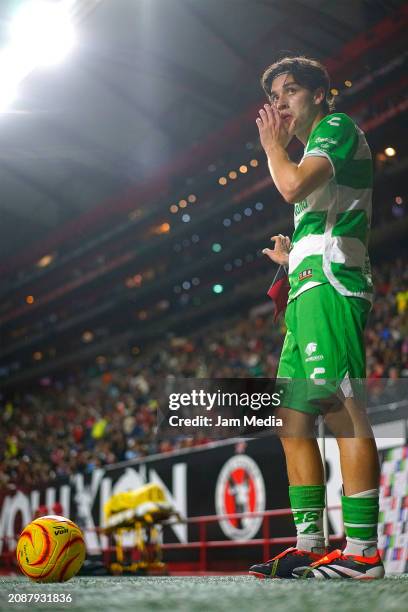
column 294, row 182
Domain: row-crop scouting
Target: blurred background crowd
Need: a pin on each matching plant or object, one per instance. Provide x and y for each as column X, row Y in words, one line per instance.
column 106, row 412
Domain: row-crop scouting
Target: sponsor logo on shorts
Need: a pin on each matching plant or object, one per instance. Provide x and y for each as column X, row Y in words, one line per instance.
column 316, row 372
column 315, row 358
column 305, row 274
column 312, row 348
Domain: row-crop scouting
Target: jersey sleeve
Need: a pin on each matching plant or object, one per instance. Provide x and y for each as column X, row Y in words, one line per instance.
column 336, row 139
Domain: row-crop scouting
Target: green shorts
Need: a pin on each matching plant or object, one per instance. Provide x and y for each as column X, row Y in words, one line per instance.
column 323, row 353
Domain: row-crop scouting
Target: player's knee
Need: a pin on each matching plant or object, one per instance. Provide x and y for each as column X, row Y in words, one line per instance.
column 295, row 425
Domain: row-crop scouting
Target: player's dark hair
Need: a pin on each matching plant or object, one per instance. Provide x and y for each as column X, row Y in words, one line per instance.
column 306, row 72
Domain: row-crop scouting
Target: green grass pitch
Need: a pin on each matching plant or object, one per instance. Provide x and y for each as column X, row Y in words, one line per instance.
column 226, row 594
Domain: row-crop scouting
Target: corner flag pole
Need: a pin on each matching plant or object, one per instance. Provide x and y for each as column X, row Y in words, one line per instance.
column 322, row 448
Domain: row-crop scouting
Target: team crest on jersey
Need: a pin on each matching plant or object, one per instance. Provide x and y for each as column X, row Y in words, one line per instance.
column 240, row 488
column 305, row 274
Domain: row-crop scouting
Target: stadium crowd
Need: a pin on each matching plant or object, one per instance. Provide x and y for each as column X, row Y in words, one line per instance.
column 107, row 413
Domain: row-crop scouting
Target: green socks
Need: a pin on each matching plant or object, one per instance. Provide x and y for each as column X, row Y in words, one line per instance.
column 360, row 516
column 307, row 504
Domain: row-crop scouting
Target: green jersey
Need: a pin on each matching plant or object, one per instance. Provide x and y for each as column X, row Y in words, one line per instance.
column 329, row 244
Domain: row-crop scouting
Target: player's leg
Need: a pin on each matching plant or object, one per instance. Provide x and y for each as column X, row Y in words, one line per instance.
column 359, row 458
column 359, row 463
column 303, row 459
column 307, row 500
column 355, row 452
column 304, row 466
column 306, row 321
column 306, row 478
column 360, row 503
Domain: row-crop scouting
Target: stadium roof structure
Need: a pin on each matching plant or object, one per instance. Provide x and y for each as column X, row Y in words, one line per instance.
column 149, row 80
column 158, row 98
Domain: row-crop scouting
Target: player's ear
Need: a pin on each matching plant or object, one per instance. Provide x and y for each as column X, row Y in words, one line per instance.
column 319, row 95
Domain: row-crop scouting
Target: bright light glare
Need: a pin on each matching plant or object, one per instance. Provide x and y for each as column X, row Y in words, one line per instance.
column 42, row 31
column 14, row 67
column 390, row 152
column 45, row 261
column 10, row 76
column 41, row 34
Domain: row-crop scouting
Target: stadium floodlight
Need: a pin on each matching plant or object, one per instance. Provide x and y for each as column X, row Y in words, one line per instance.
column 43, row 31
column 40, row 34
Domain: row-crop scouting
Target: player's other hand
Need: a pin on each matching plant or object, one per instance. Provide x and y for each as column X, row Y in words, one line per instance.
column 280, row 253
column 274, row 128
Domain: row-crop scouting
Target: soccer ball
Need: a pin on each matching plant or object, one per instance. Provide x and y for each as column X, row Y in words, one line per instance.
column 51, row 549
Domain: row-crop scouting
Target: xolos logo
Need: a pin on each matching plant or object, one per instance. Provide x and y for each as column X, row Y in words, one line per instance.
column 240, row 489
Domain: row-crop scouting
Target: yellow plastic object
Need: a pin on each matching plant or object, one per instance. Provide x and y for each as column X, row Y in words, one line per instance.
column 130, row 500
column 142, row 511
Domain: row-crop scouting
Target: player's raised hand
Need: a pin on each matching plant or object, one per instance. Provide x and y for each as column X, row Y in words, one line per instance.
column 273, row 128
column 280, row 253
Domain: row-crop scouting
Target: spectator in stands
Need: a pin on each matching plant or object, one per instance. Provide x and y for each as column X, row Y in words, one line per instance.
column 107, row 413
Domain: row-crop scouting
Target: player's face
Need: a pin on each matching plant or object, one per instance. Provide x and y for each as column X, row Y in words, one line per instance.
column 293, row 101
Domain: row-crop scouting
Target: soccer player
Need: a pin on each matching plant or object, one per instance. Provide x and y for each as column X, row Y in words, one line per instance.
column 328, row 304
